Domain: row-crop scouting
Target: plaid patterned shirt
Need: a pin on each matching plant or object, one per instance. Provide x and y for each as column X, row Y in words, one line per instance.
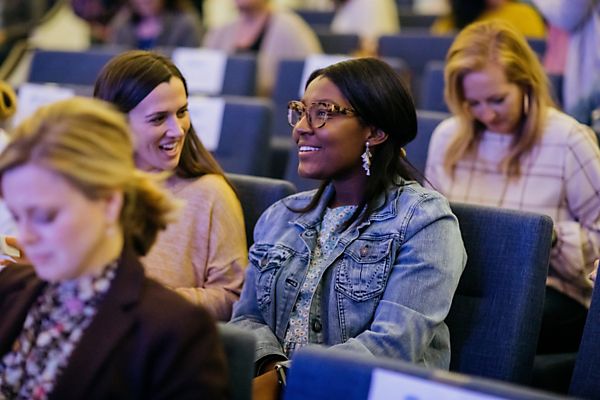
column 559, row 178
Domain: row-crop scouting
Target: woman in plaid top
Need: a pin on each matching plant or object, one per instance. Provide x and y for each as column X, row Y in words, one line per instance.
column 507, row 146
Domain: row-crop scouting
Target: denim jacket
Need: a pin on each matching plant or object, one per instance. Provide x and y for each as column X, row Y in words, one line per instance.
column 388, row 285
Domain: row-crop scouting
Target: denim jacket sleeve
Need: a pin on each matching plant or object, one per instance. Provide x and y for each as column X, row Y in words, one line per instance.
column 246, row 313
column 408, row 323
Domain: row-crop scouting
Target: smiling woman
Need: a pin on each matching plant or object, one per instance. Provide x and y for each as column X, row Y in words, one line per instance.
column 370, row 261
column 507, row 146
column 204, row 254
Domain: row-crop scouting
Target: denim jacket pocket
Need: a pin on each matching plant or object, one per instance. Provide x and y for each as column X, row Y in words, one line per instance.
column 362, row 272
column 268, row 260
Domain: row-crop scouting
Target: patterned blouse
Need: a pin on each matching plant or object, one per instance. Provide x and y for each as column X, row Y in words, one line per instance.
column 52, row 329
column 296, row 335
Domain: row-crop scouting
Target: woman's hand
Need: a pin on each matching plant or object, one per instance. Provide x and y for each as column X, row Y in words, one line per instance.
column 8, row 259
column 266, row 386
column 595, row 271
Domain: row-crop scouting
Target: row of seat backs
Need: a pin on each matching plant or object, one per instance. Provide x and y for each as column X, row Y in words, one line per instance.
column 495, row 316
column 323, row 374
column 246, row 125
column 82, row 68
column 322, row 19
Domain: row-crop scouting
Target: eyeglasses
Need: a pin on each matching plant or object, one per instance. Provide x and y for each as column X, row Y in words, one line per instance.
column 317, row 113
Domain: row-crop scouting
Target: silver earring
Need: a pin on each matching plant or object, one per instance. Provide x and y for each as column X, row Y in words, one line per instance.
column 366, row 159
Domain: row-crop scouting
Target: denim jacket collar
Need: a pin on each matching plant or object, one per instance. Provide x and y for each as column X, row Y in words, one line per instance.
column 384, row 208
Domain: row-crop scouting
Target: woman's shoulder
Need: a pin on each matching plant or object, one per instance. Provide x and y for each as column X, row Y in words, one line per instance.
column 283, row 209
column 562, row 129
column 16, row 275
column 445, row 130
column 413, row 194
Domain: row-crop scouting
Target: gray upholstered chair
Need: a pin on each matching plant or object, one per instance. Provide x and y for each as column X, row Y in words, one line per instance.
column 245, row 135
column 586, row 375
column 256, row 195
column 324, row 374
column 496, row 313
column 416, row 151
column 239, row 351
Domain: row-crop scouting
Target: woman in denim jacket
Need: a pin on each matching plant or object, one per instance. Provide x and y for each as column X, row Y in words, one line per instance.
column 370, row 261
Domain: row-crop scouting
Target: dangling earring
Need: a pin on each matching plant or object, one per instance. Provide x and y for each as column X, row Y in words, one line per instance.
column 526, row 104
column 366, row 158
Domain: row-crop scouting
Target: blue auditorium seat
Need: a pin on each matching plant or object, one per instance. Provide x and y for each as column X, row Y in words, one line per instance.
column 323, row 374
column 239, row 352
column 256, row 194
column 496, row 313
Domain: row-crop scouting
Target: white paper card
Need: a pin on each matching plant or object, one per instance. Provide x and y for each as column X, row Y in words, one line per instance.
column 203, row 69
column 206, row 114
column 316, row 61
column 392, row 385
column 31, row 96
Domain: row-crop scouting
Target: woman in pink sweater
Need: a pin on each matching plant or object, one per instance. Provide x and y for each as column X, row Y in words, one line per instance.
column 204, row 254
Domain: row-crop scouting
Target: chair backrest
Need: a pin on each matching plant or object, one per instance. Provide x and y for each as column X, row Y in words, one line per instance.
column 496, row 312
column 245, row 136
column 537, row 45
column 338, row 43
column 586, row 375
column 82, row 67
column 239, row 351
column 317, row 19
column 68, row 67
column 411, row 21
column 256, row 194
column 319, row 373
column 432, row 87
column 410, row 46
column 240, row 75
column 416, row 151
column 556, row 87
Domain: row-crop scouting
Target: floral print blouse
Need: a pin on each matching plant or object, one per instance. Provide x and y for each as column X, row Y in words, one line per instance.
column 297, row 332
column 52, row 329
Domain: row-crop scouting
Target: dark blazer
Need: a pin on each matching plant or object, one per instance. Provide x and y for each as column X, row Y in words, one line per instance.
column 145, row 342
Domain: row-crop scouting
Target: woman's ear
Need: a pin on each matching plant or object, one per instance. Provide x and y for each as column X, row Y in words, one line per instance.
column 114, row 204
column 377, row 136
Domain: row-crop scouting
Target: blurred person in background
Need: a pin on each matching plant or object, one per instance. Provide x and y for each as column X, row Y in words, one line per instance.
column 580, row 20
column 270, row 32
column 18, row 18
column 148, row 24
column 463, row 12
column 367, row 18
column 98, row 14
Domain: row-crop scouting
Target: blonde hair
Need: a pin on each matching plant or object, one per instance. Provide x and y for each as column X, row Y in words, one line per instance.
column 88, row 142
column 475, row 47
column 8, row 101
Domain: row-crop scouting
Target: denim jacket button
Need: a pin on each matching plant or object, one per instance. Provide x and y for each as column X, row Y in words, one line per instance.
column 364, row 251
column 316, row 325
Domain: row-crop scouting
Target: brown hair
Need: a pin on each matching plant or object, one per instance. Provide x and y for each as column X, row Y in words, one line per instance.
column 88, row 142
column 129, row 77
